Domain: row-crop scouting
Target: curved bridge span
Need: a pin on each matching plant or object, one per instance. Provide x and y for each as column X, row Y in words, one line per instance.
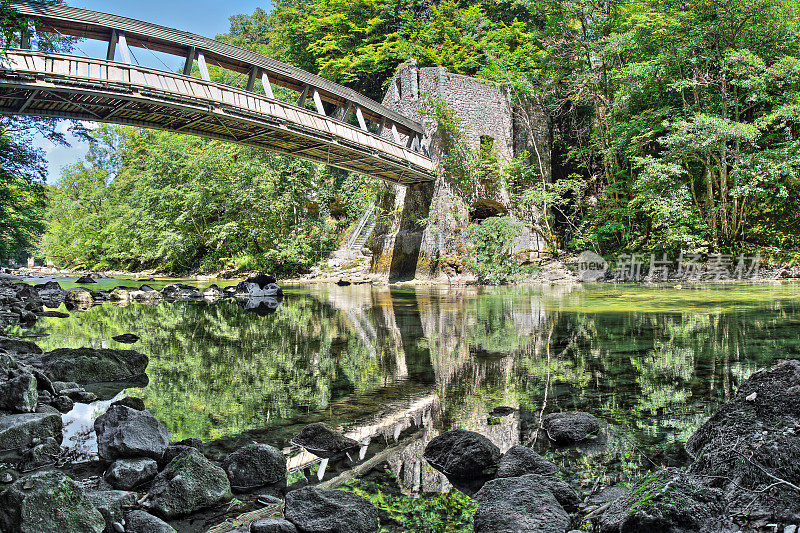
column 329, row 123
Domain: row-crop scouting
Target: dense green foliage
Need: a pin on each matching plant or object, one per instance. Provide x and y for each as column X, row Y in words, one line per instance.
column 441, row 512
column 491, row 258
column 675, row 126
column 146, row 199
column 21, row 195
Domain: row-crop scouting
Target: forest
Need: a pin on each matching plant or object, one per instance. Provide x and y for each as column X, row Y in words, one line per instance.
column 674, row 127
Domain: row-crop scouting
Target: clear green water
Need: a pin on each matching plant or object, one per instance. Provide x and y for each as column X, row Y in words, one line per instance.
column 651, row 362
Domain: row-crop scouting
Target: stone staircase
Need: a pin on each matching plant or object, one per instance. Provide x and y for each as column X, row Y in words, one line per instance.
column 351, row 263
column 364, row 228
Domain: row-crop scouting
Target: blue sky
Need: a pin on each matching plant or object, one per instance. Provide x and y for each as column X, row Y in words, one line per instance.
column 205, row 17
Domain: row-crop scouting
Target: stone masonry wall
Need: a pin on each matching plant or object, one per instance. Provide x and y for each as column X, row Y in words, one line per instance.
column 419, row 226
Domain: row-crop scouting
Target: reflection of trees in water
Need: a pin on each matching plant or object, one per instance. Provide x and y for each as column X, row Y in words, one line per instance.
column 357, row 356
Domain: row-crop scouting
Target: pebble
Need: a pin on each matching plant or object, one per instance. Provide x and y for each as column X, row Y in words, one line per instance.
column 751, row 397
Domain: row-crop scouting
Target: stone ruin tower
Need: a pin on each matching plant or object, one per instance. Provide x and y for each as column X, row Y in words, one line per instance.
column 418, row 234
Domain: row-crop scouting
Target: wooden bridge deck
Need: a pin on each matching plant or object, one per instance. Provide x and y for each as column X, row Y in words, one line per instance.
column 383, row 144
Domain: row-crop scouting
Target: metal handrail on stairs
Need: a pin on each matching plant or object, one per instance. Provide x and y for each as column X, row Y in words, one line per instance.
column 362, row 222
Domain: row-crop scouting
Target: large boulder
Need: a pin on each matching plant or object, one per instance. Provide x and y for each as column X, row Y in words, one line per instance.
column 112, row 505
column 564, row 494
column 123, row 432
column 18, row 392
column 17, row 346
column 521, row 460
column 85, row 280
column 51, row 293
column 48, row 502
column 121, row 294
column 669, row 500
column 322, row 441
column 90, row 365
column 79, row 296
column 570, row 427
column 128, row 474
column 516, row 504
column 180, row 291
column 145, row 295
column 188, row 484
column 463, row 455
column 141, row 522
column 330, row 511
column 212, row 292
column 255, row 465
column 23, row 431
column 753, row 441
column 259, row 286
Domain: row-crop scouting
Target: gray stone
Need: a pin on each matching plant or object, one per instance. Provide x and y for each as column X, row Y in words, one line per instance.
column 172, row 451
column 48, row 502
column 63, row 404
column 189, row 483
column 322, row 441
column 142, row 522
column 123, row 432
column 255, row 465
column 668, row 500
column 764, row 431
column 79, row 395
column 59, row 386
column 570, row 427
column 127, row 474
column 79, row 296
column 521, row 460
column 48, row 409
column 44, row 453
column 25, row 430
column 564, row 494
column 463, row 454
column 89, row 365
column 313, row 510
column 131, row 401
column 516, row 504
column 18, row 394
column 272, row 525
column 259, row 286
column 112, row 504
column 19, row 347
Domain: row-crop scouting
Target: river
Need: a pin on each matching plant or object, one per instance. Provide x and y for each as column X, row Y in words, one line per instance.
column 401, row 365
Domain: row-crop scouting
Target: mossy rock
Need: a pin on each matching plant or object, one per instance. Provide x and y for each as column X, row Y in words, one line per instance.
column 48, row 502
column 669, row 500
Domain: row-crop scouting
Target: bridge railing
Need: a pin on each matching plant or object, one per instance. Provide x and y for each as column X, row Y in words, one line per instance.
column 121, row 33
column 104, row 91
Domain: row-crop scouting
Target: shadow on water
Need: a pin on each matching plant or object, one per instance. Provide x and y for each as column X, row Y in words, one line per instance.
column 395, row 367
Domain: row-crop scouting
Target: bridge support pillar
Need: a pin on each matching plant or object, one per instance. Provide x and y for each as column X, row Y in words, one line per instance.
column 420, row 228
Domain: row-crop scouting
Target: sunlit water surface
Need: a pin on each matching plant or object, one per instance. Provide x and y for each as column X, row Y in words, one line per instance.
column 380, row 362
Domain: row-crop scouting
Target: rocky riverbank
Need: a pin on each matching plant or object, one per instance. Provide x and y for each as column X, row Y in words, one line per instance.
column 742, row 474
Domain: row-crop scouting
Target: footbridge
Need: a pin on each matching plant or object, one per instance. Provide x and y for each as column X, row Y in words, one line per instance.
column 327, row 123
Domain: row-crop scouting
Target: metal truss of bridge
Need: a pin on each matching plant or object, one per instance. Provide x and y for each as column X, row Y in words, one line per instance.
column 379, row 142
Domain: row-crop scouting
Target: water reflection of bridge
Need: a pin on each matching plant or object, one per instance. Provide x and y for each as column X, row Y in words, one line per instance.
column 427, row 337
